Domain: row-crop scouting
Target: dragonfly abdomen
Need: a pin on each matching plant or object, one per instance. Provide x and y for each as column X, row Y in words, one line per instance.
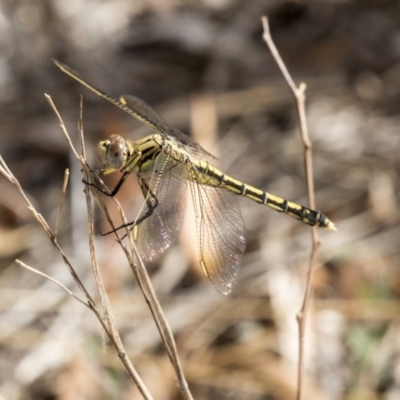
column 297, row 211
column 294, row 210
column 209, row 175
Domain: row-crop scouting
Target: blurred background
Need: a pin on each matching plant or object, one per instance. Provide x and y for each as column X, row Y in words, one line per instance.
column 204, row 67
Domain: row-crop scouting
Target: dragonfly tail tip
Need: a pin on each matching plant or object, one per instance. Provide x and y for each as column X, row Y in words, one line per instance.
column 331, row 227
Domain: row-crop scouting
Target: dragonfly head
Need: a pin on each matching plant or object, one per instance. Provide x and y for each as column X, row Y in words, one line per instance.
column 112, row 152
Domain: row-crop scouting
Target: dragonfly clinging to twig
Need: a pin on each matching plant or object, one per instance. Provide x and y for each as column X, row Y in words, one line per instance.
column 165, row 163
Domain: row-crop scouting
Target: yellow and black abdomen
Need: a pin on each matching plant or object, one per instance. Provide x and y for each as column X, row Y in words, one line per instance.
column 204, row 173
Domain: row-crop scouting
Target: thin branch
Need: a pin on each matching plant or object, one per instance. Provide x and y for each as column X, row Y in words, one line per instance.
column 146, row 287
column 108, row 315
column 106, row 318
column 299, row 95
column 62, row 125
column 63, row 191
column 148, row 292
column 160, row 319
column 275, row 54
column 140, row 273
column 42, row 222
column 104, row 321
column 36, row 271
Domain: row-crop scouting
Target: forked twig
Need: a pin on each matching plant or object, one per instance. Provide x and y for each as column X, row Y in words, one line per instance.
column 6, row 172
column 299, row 95
column 106, row 307
column 138, row 269
column 105, row 320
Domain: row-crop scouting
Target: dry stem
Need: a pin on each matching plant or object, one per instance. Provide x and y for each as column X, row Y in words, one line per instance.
column 138, row 269
column 63, row 191
column 104, row 318
column 299, row 95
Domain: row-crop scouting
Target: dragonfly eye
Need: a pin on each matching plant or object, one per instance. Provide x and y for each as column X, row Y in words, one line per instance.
column 116, row 154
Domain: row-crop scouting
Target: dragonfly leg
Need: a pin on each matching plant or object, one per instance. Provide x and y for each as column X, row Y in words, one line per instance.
column 151, row 204
column 151, row 200
column 108, row 192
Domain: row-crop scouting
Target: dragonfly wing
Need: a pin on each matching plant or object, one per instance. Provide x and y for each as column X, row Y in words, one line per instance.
column 143, row 109
column 221, row 234
column 154, row 120
column 167, row 192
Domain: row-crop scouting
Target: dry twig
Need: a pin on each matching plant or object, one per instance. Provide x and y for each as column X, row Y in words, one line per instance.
column 105, row 321
column 138, row 269
column 299, row 95
column 63, row 191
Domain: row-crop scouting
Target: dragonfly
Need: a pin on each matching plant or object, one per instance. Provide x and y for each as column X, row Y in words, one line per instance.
column 166, row 163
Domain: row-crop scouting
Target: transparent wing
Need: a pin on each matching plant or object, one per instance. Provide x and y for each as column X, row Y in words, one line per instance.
column 220, row 225
column 155, row 121
column 167, row 196
column 145, row 111
column 142, row 112
column 220, row 234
